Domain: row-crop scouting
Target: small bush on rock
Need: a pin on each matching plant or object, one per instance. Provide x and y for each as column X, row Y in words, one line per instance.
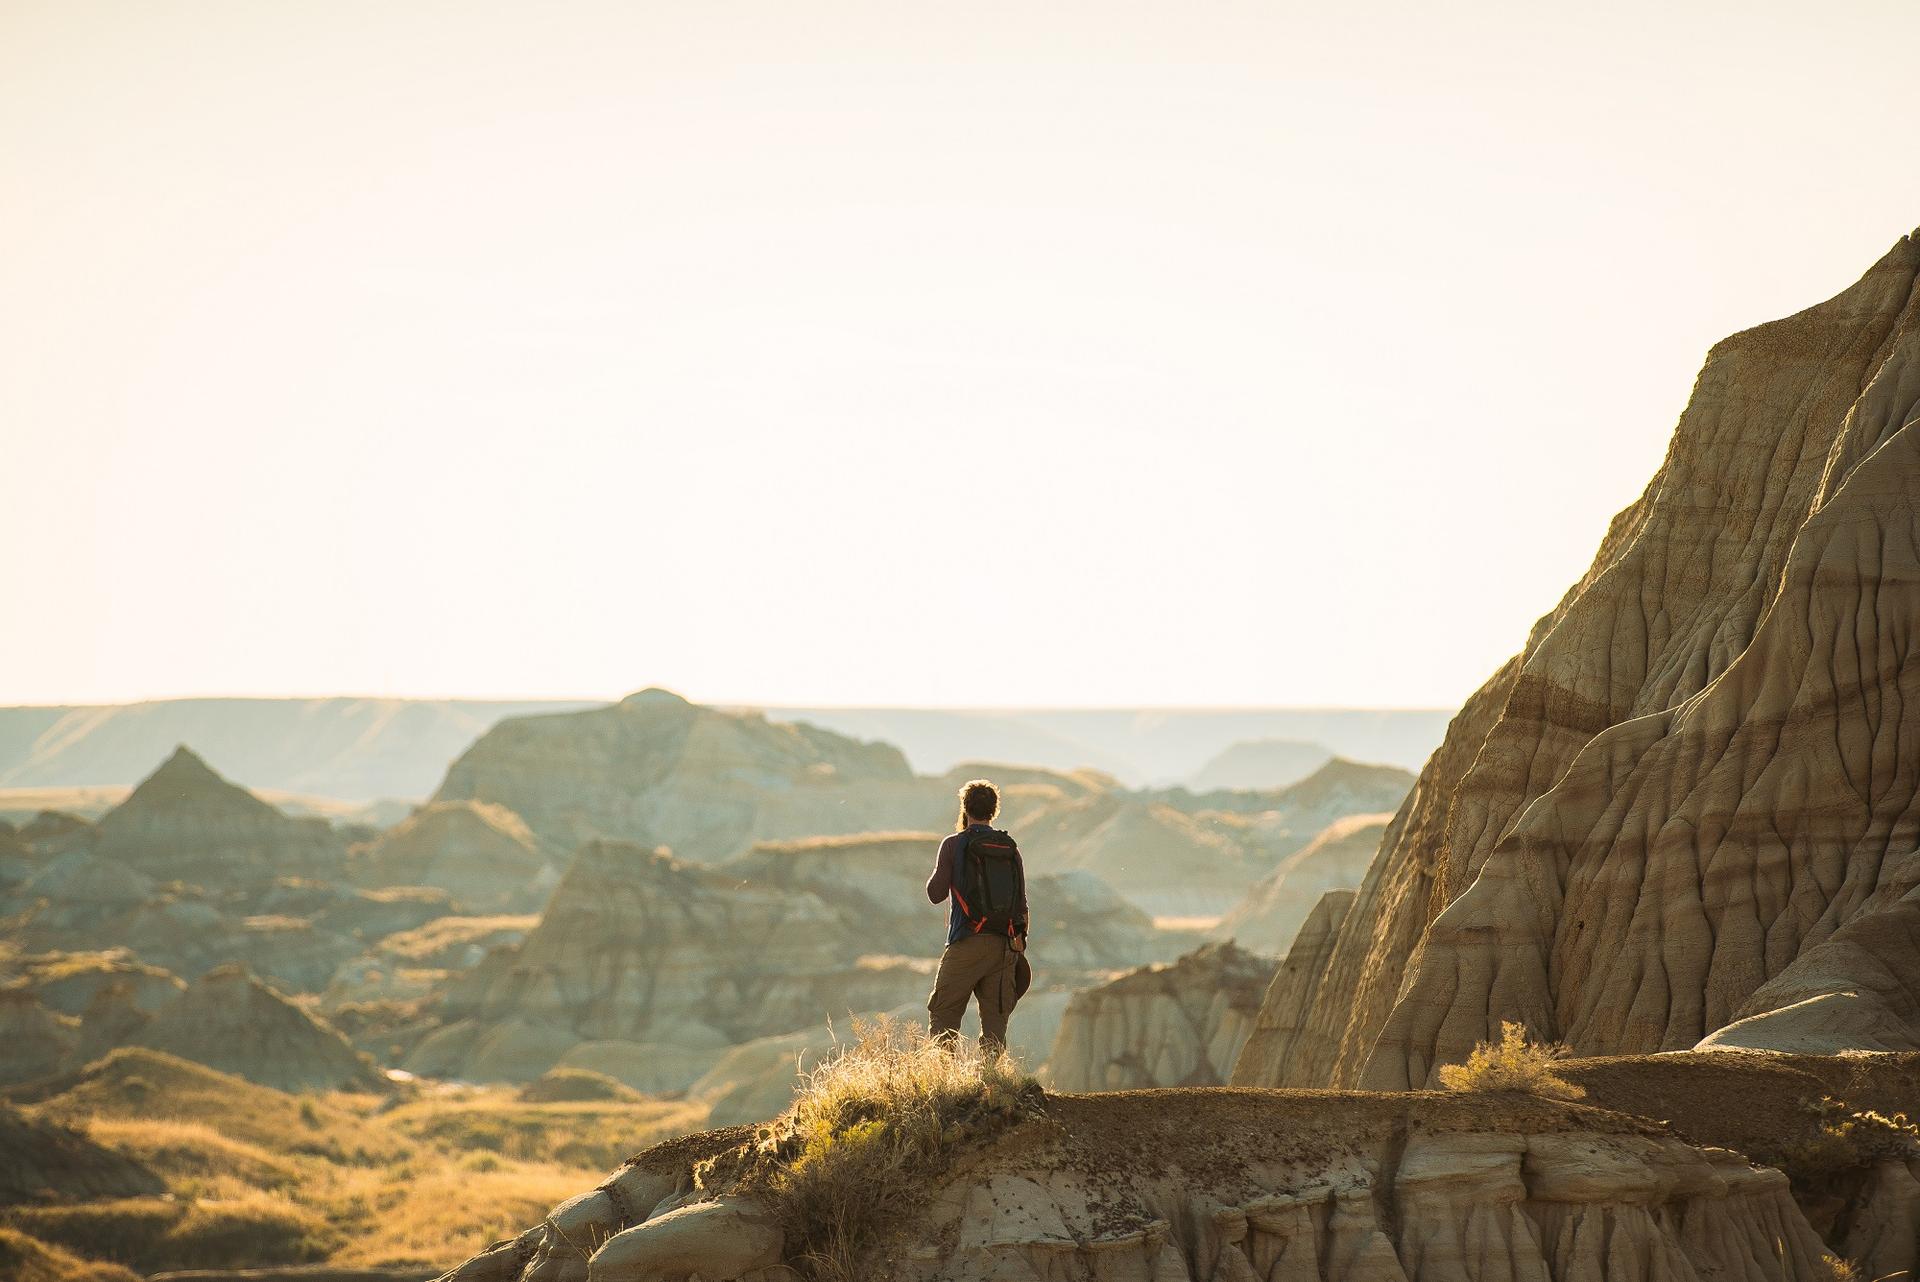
column 1839, row 1270
column 868, row 1130
column 1512, row 1064
column 1843, row 1142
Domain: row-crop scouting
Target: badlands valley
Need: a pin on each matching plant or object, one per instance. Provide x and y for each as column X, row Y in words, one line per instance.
column 1623, row 983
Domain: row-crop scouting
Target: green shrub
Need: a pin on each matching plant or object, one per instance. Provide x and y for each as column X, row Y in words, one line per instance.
column 1512, row 1064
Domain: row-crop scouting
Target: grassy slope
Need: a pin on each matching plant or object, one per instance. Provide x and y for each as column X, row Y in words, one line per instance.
column 259, row 1177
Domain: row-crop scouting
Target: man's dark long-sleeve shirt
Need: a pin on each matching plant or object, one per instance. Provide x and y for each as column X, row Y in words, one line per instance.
column 948, row 870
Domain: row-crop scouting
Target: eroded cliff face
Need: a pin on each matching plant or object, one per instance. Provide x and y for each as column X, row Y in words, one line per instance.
column 185, row 823
column 1228, row 1186
column 483, row 855
column 1180, row 1024
column 1700, row 767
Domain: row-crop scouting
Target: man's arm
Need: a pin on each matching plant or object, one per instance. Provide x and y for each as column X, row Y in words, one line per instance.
column 942, row 880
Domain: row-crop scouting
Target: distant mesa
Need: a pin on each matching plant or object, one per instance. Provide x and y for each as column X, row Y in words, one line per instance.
column 658, row 770
column 1260, row 763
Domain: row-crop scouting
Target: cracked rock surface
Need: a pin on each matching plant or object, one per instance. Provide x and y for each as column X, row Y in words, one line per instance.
column 1686, row 812
column 1227, row 1185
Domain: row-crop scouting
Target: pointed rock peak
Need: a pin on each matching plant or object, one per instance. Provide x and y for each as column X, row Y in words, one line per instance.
column 183, row 779
column 654, row 697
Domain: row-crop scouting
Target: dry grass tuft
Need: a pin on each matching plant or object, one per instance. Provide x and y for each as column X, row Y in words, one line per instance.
column 1844, row 1142
column 868, row 1130
column 1513, row 1064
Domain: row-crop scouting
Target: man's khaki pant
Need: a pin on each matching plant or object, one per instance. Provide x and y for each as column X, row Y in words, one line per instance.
column 978, row 966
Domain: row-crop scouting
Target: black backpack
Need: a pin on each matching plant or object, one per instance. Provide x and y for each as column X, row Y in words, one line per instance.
column 996, row 883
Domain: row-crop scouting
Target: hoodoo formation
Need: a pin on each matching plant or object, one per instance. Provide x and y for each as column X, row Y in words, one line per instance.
column 1689, row 802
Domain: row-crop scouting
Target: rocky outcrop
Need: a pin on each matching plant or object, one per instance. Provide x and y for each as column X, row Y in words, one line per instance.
column 658, row 770
column 665, row 963
column 1180, row 1024
column 483, row 855
column 1693, row 775
column 230, row 1021
column 67, row 982
column 1175, row 1186
column 1184, row 855
column 186, row 823
column 1294, row 989
column 1270, row 915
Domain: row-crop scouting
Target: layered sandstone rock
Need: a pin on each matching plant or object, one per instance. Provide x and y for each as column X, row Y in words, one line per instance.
column 230, row 1021
column 1294, row 990
column 661, row 771
column 1180, row 1024
column 1693, row 775
column 67, row 982
column 1180, row 854
column 1181, row 1186
column 483, row 855
column 666, row 963
column 1270, row 915
column 186, row 823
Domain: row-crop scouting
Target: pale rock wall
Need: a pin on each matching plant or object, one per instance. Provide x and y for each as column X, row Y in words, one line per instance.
column 1405, row 1202
column 1180, row 1024
column 1694, row 772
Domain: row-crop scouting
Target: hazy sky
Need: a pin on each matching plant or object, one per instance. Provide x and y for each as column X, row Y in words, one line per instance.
column 893, row 352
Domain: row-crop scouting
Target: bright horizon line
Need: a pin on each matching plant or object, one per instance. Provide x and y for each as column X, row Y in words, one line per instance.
column 727, row 703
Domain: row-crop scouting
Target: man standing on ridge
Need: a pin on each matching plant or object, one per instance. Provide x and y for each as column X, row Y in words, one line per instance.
column 979, row 868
